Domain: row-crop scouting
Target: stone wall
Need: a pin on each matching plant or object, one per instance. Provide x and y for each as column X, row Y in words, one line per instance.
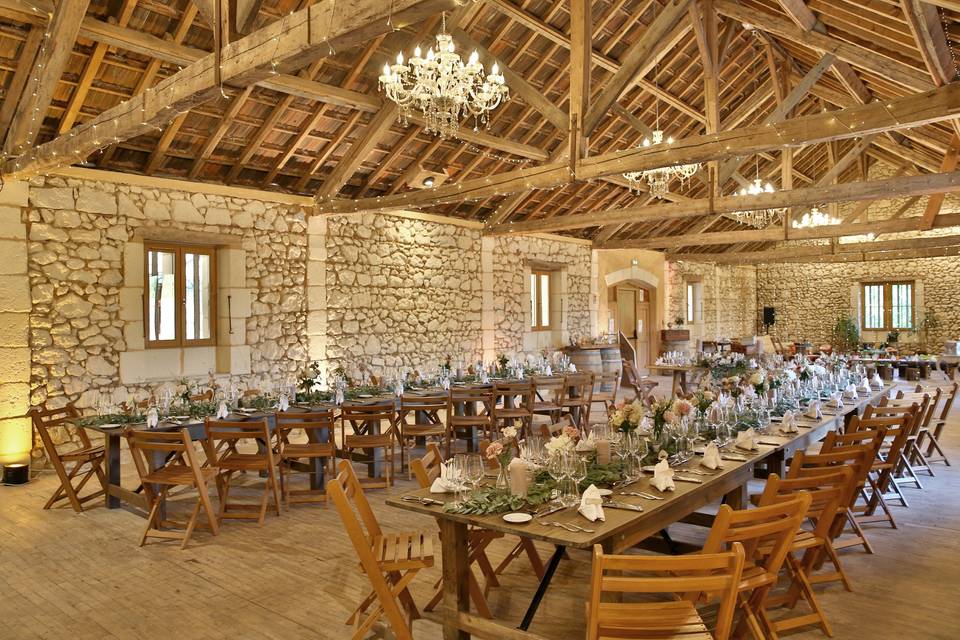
column 728, row 295
column 401, row 291
column 512, row 259
column 86, row 280
column 810, row 297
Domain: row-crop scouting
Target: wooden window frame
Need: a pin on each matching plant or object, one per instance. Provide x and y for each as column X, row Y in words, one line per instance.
column 536, row 292
column 180, row 292
column 887, row 301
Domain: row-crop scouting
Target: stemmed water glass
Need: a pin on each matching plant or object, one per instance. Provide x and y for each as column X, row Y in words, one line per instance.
column 474, row 470
column 557, row 470
column 578, row 473
column 456, row 474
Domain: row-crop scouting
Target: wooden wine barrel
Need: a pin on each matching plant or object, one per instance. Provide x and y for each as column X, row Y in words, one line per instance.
column 587, row 360
column 612, row 363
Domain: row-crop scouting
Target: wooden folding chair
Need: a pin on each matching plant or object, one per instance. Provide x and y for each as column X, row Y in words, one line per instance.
column 300, row 457
column 577, row 398
column 859, row 457
column 547, row 395
column 912, row 461
column 550, row 430
column 918, row 459
column 470, row 414
column 86, row 460
column 419, row 417
column 642, row 386
column 935, row 452
column 826, row 492
column 164, row 460
column 895, row 431
column 513, row 405
column 770, row 528
column 716, row 574
column 605, row 387
column 223, row 443
column 391, row 561
column 371, row 429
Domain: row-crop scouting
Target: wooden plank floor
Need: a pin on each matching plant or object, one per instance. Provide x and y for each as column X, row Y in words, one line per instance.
column 64, row 575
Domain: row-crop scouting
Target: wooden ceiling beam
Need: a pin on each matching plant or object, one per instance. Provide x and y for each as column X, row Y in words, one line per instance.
column 166, row 139
column 581, row 48
column 856, row 55
column 637, row 61
column 26, row 56
column 924, row 184
column 935, row 202
column 932, row 106
column 48, row 66
column 245, row 17
column 296, row 39
column 358, row 151
column 804, row 253
column 90, row 70
column 777, row 234
column 924, row 22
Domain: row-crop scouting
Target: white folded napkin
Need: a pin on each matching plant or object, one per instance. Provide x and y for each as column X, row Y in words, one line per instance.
column 663, row 476
column 284, row 403
column 446, row 384
column 222, row 411
column 836, row 400
column 850, row 392
column 573, row 368
column 442, row 484
column 747, row 440
column 711, row 457
column 484, row 377
column 865, row 386
column 591, row 504
column 548, row 371
column 153, row 419
column 876, row 382
column 587, row 444
column 338, row 397
column 789, row 422
column 814, row 411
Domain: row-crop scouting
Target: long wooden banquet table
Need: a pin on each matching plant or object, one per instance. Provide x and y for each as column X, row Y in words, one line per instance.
column 621, row 530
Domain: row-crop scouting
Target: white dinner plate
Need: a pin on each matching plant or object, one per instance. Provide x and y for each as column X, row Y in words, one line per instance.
column 364, row 395
column 110, row 425
column 518, row 518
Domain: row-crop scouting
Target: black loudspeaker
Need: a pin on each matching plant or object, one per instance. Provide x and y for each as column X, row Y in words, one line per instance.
column 769, row 316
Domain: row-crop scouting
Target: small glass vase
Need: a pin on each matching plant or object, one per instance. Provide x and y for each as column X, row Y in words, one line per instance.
column 503, row 479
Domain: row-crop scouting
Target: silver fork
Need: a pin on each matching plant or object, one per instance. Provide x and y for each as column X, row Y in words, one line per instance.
column 640, row 494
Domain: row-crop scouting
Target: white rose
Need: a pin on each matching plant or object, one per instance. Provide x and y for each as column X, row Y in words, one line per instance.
column 509, row 432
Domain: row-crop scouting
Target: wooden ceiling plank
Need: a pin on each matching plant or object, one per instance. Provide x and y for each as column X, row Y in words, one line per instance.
column 246, row 14
column 90, row 70
column 166, row 139
column 301, row 38
column 936, row 105
column 924, row 184
column 805, row 253
column 856, row 55
column 210, row 144
column 924, row 22
column 581, row 48
column 48, row 67
column 324, row 155
column 637, row 61
column 358, row 151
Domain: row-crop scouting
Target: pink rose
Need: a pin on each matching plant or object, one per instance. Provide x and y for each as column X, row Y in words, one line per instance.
column 571, row 432
column 668, row 416
column 494, row 450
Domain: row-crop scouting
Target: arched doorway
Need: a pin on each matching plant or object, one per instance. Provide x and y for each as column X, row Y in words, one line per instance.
column 632, row 311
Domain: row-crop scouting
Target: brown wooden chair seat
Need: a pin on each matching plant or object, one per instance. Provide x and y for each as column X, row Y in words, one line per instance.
column 228, row 460
column 371, row 429
column 403, row 551
column 420, row 417
column 605, row 387
column 716, row 574
column 299, row 457
column 87, row 460
column 181, row 467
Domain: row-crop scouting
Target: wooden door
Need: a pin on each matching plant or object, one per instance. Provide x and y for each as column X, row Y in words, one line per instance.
column 642, row 344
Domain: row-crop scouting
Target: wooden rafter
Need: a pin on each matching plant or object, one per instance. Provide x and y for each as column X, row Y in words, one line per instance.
column 48, row 66
column 27, row 54
column 845, row 192
column 300, row 38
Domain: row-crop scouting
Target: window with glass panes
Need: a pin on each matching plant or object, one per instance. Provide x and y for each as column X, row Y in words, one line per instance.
column 180, row 295
column 888, row 305
column 539, row 300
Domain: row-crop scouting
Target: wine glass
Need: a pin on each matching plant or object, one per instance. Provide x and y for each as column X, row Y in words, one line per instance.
column 555, row 467
column 456, row 475
column 578, row 473
column 474, row 470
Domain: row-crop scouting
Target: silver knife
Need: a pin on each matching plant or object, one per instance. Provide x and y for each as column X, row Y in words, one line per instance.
column 549, row 511
column 683, row 479
column 622, row 505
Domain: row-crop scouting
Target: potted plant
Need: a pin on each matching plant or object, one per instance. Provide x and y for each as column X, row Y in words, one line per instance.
column 893, row 337
column 927, row 323
column 846, row 335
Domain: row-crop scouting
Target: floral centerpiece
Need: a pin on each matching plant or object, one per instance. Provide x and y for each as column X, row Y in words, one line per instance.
column 566, row 440
column 661, row 411
column 758, row 380
column 626, row 417
column 702, row 399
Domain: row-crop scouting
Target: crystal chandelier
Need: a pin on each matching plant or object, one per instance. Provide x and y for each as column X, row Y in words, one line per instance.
column 443, row 87
column 815, row 218
column 658, row 180
column 758, row 218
